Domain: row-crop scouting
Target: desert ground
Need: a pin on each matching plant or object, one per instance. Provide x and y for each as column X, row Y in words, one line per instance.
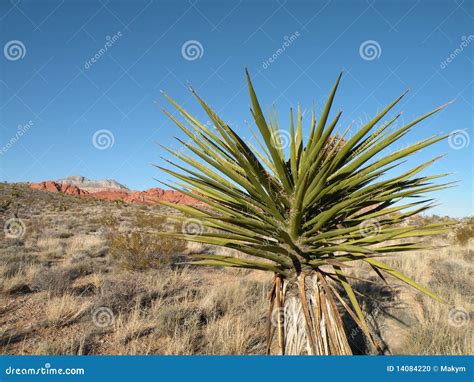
column 85, row 276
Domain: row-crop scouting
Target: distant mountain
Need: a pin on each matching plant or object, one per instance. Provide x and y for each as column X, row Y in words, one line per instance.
column 109, row 189
column 93, row 185
column 63, row 188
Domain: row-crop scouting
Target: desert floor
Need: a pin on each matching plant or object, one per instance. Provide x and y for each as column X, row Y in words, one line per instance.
column 82, row 276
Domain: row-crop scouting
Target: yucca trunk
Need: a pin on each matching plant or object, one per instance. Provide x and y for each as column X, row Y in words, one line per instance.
column 304, row 318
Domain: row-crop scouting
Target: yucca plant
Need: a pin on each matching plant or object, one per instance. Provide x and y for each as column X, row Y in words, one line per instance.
column 303, row 213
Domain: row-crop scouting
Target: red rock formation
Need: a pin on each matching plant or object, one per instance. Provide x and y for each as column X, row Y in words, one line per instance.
column 51, row 186
column 150, row 196
column 154, row 195
column 109, row 195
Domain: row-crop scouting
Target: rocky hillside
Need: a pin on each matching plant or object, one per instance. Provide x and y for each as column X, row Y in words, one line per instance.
column 92, row 185
column 59, row 187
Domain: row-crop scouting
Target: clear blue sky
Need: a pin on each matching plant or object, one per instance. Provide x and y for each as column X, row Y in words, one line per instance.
column 51, row 81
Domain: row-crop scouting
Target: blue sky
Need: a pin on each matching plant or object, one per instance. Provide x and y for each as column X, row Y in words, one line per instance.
column 384, row 47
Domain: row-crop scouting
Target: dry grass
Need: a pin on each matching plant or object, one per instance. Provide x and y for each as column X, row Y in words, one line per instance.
column 18, row 281
column 64, row 310
column 84, row 243
column 66, row 268
column 234, row 335
column 464, row 232
column 442, row 328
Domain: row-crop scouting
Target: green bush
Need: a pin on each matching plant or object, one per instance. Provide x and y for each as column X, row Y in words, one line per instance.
column 139, row 251
column 464, row 231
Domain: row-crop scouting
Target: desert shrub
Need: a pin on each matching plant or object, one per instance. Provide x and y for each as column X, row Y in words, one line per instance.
column 101, row 252
column 143, row 219
column 64, row 235
column 13, row 261
column 453, row 272
column 464, row 231
column 58, row 281
column 123, row 294
column 139, row 251
column 436, row 219
column 16, row 281
column 10, row 269
column 108, row 222
column 12, row 335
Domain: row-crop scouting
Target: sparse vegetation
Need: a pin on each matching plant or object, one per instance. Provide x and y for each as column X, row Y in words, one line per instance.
column 138, row 251
column 464, row 231
column 64, row 310
column 61, row 271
